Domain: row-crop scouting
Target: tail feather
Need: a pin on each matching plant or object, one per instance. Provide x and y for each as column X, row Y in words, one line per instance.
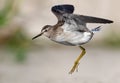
column 96, row 29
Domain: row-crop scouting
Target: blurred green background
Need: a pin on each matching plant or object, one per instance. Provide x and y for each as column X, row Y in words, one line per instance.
column 23, row 60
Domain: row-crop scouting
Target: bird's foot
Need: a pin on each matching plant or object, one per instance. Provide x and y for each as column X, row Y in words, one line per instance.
column 75, row 67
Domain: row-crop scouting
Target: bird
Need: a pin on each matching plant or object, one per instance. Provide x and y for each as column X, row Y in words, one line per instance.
column 71, row 29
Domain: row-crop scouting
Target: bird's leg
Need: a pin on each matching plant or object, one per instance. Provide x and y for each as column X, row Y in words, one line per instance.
column 76, row 63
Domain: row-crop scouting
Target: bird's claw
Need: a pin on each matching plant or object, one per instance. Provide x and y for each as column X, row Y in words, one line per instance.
column 75, row 67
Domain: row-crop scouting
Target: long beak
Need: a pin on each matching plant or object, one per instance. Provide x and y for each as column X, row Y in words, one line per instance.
column 37, row 35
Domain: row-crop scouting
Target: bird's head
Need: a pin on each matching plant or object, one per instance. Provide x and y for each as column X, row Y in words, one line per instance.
column 44, row 31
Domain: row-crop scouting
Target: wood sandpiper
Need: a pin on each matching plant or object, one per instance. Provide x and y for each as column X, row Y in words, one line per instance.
column 71, row 29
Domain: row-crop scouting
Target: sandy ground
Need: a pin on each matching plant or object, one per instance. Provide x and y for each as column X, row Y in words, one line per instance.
column 99, row 65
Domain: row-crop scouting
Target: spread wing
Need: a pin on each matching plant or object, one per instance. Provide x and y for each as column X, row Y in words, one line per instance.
column 90, row 19
column 59, row 10
column 65, row 13
column 78, row 22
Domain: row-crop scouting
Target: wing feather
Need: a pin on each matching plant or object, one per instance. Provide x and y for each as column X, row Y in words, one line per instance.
column 90, row 19
column 59, row 10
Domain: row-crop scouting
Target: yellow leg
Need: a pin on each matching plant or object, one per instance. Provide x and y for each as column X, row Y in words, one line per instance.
column 75, row 66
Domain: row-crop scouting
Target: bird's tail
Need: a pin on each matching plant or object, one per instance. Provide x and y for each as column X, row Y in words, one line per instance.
column 96, row 29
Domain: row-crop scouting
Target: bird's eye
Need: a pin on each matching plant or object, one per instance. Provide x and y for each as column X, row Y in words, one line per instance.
column 45, row 30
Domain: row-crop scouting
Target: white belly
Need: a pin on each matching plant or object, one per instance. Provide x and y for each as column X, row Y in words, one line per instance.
column 79, row 40
column 73, row 38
